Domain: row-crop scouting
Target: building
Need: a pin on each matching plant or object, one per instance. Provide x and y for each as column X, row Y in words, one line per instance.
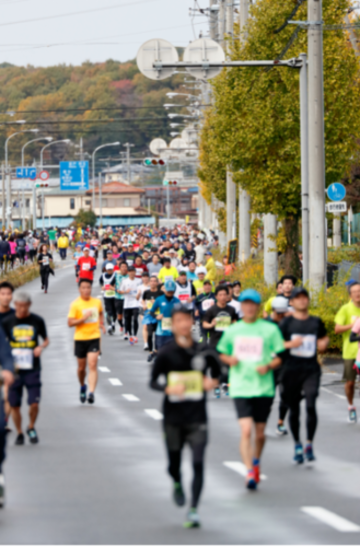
column 183, row 200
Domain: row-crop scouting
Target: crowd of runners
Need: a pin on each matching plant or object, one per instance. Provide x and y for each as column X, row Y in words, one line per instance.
column 201, row 332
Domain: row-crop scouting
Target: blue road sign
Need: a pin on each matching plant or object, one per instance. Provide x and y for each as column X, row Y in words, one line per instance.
column 26, row 172
column 336, row 191
column 74, row 175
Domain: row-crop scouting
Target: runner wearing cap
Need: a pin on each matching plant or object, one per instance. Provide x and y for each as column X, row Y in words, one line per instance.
column 161, row 310
column 280, row 308
column 86, row 265
column 305, row 336
column 199, row 282
column 167, row 272
column 210, row 266
column 202, row 303
column 107, row 281
column 251, row 349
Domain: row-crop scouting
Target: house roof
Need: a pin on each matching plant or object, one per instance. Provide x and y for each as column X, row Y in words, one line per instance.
column 117, row 188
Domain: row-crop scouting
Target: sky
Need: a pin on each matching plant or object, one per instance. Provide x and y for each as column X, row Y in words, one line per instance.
column 48, row 32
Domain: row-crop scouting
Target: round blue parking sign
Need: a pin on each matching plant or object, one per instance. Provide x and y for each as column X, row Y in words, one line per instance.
column 336, row 191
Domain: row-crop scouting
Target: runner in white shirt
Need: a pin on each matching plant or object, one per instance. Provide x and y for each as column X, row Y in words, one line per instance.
column 129, row 288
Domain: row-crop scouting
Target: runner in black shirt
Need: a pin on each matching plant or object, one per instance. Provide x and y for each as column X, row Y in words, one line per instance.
column 6, row 294
column 184, row 363
column 219, row 316
column 43, row 259
column 304, row 336
column 23, row 330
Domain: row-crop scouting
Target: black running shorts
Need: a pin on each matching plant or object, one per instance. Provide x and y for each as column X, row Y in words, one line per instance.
column 83, row 347
column 257, row 408
column 119, row 306
column 176, row 436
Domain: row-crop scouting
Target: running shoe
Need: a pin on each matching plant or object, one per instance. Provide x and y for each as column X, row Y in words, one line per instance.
column 146, row 347
column 217, row 393
column 131, row 340
column 256, row 469
column 91, row 398
column 135, row 340
column 299, row 454
column 150, row 357
column 352, row 415
column 281, row 430
column 110, row 330
column 309, row 453
column 113, row 328
column 20, row 439
column 250, row 480
column 83, row 393
column 178, row 495
column 2, row 490
column 225, row 389
column 192, row 519
column 126, row 336
column 33, row 437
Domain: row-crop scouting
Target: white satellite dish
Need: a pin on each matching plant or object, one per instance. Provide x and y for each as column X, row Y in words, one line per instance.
column 178, row 144
column 153, row 51
column 157, row 146
column 204, row 50
column 189, row 134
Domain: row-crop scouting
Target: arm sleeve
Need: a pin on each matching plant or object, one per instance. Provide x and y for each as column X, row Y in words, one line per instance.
column 6, row 359
column 354, row 337
column 157, row 371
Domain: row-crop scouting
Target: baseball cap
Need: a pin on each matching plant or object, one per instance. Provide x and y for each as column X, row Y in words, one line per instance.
column 201, row 270
column 250, row 294
column 170, row 285
column 109, row 266
column 280, row 304
column 299, row 290
column 208, row 253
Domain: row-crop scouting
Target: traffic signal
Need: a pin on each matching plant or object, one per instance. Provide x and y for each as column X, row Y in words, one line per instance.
column 170, row 182
column 149, row 162
column 42, row 185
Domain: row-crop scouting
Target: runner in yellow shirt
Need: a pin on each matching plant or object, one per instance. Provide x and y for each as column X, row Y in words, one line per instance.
column 86, row 315
column 167, row 272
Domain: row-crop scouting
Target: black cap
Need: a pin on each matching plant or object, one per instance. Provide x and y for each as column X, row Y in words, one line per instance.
column 299, row 290
column 131, row 269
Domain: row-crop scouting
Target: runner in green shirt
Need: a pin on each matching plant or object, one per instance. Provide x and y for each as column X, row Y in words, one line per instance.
column 250, row 348
column 52, row 239
column 344, row 321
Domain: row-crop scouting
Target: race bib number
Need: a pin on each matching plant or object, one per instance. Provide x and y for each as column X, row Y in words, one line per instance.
column 193, row 381
column 184, row 297
column 207, row 304
column 23, row 358
column 248, row 348
column 45, row 261
column 85, row 267
column 222, row 323
column 138, row 271
column 94, row 317
column 166, row 323
column 149, row 304
column 307, row 348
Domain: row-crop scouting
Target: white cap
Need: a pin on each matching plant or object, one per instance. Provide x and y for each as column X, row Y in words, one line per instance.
column 280, row 304
column 201, row 270
column 109, row 266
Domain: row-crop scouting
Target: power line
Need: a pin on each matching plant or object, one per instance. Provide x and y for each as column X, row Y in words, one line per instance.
column 109, row 120
column 87, row 109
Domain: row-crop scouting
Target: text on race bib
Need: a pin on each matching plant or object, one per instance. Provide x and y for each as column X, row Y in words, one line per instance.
column 307, row 348
column 248, row 348
column 222, row 323
column 23, row 358
column 166, row 323
column 193, row 381
column 207, row 304
column 94, row 317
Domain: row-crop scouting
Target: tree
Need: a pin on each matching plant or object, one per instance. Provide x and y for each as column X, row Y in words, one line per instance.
column 254, row 124
column 85, row 218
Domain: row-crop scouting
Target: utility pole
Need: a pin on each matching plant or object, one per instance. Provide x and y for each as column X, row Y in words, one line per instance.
column 3, row 195
column 100, row 199
column 230, row 204
column 317, row 273
column 213, row 21
column 244, row 198
column 128, row 162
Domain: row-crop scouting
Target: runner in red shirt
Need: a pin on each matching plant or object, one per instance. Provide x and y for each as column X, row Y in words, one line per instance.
column 140, row 268
column 86, row 265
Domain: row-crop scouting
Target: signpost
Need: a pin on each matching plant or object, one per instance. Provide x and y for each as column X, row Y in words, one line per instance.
column 336, row 191
column 74, row 175
column 26, row 172
column 43, row 175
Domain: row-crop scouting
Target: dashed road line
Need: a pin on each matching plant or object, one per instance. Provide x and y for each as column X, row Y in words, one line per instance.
column 130, row 397
column 332, row 393
column 104, row 369
column 331, row 519
column 240, row 468
column 154, row 414
column 115, row 382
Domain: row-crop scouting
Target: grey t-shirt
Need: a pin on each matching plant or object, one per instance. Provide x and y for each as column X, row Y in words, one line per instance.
column 154, row 268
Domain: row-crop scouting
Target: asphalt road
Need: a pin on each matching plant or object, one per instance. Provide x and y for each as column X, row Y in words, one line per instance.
column 98, row 475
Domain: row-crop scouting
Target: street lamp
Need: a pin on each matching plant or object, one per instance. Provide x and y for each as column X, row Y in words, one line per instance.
column 93, row 167
column 172, row 95
column 67, row 141
column 49, row 139
column 8, row 186
column 173, row 115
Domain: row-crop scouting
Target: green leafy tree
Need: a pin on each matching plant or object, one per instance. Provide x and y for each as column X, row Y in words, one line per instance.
column 85, row 218
column 254, row 124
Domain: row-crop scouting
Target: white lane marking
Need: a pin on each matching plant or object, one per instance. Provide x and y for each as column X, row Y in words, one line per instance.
column 115, row 382
column 240, row 468
column 130, row 397
column 104, row 369
column 154, row 414
column 332, row 393
column 331, row 519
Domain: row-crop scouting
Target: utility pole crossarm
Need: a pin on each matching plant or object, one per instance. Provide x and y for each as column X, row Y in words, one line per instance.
column 292, row 63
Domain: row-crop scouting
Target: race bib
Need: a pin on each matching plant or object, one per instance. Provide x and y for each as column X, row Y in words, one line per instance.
column 23, row 358
column 85, row 267
column 193, row 381
column 130, row 262
column 166, row 323
column 307, row 348
column 45, row 261
column 149, row 304
column 222, row 323
column 94, row 317
column 184, row 297
column 248, row 348
column 207, row 304
column 139, row 271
